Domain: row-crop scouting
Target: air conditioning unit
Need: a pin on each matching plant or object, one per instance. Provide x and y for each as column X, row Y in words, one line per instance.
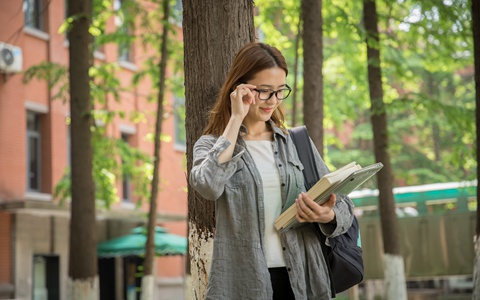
column 11, row 58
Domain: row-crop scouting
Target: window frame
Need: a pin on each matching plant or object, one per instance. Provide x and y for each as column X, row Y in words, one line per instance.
column 36, row 135
column 35, row 15
column 125, row 49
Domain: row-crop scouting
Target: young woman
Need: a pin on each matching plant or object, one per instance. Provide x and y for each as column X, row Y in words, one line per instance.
column 247, row 163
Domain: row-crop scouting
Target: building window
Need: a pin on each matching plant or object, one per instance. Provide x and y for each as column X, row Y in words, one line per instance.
column 33, row 151
column 124, row 48
column 126, row 186
column 125, row 45
column 33, row 11
column 179, row 117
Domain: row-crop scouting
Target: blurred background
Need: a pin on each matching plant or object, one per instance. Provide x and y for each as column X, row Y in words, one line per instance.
column 427, row 91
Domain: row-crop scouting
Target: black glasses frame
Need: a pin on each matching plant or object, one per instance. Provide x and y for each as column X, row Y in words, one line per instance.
column 287, row 88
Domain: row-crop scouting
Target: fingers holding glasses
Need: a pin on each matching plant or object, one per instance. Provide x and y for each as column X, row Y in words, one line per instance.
column 243, row 87
column 244, row 92
column 242, row 97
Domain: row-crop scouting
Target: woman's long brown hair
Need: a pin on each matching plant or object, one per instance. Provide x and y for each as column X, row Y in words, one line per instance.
column 250, row 60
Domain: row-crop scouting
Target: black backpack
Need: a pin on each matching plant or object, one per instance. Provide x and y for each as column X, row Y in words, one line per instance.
column 343, row 256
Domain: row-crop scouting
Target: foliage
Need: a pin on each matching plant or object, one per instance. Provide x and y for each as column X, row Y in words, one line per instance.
column 107, row 168
column 107, row 150
column 427, row 73
column 114, row 158
column 54, row 74
column 277, row 23
column 426, row 62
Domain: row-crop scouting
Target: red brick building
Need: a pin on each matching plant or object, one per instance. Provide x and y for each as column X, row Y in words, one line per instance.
column 34, row 152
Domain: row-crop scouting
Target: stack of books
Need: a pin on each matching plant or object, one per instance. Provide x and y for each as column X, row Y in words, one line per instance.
column 342, row 181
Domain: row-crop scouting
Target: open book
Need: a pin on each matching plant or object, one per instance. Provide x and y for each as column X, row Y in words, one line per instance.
column 342, row 181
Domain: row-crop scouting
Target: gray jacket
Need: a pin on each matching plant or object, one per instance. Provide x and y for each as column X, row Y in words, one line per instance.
column 239, row 268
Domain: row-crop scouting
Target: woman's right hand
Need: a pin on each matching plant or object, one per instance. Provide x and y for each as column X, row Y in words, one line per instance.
column 241, row 99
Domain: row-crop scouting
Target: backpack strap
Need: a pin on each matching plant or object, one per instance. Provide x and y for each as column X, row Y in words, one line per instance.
column 301, row 139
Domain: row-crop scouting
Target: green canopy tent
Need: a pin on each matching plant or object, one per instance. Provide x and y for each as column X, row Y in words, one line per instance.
column 134, row 244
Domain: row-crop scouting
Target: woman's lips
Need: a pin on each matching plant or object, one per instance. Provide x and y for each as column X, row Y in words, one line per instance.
column 267, row 110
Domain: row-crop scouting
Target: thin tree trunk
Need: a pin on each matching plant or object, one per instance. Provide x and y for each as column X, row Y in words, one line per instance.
column 82, row 273
column 295, row 72
column 148, row 279
column 432, row 92
column 393, row 262
column 209, row 52
column 312, row 70
column 476, row 51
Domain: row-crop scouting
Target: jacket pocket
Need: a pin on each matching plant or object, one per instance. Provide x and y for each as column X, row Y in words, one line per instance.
column 237, row 180
column 296, row 173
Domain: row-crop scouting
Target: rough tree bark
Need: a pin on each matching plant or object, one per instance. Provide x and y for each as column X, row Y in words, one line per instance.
column 312, row 70
column 476, row 51
column 148, row 278
column 393, row 262
column 212, row 34
column 82, row 272
column 295, row 73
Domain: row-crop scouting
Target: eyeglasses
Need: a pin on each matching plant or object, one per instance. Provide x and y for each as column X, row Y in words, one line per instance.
column 281, row 94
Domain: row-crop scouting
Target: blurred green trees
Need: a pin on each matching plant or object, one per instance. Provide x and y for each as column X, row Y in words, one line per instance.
column 427, row 64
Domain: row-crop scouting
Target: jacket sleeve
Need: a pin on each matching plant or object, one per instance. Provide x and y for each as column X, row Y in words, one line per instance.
column 208, row 176
column 343, row 206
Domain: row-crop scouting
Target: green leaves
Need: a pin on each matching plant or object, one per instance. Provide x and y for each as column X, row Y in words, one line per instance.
column 108, row 170
column 426, row 50
column 54, row 74
column 426, row 61
column 114, row 158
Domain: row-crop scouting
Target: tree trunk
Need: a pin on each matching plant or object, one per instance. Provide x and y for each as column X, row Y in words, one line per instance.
column 82, row 274
column 431, row 91
column 148, row 279
column 312, row 70
column 295, row 73
column 212, row 35
column 393, row 262
column 476, row 51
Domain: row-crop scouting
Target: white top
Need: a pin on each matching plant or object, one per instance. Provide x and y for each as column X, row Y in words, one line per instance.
column 262, row 153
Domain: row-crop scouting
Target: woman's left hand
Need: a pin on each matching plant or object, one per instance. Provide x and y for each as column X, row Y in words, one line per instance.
column 310, row 211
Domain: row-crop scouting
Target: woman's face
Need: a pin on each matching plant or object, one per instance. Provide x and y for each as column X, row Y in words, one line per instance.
column 267, row 81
